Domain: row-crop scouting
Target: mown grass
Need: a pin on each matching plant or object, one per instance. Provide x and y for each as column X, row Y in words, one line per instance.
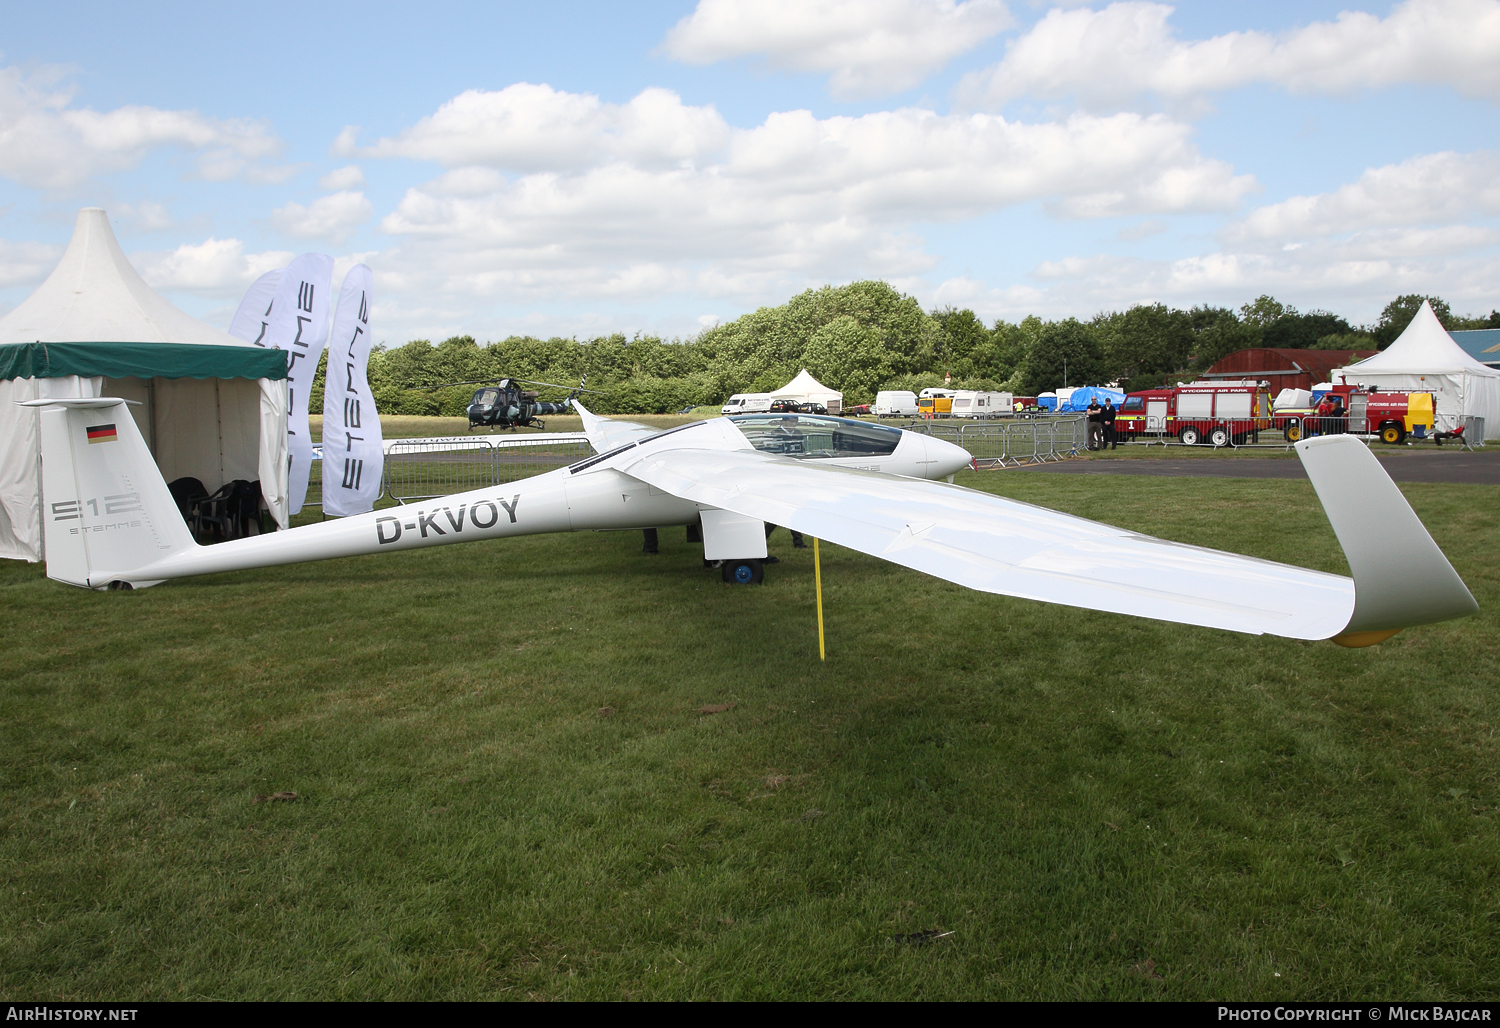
column 508, row 788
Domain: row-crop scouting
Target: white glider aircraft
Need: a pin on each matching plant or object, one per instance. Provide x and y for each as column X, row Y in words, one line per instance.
column 110, row 522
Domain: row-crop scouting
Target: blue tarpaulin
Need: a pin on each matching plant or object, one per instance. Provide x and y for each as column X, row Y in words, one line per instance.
column 1079, row 401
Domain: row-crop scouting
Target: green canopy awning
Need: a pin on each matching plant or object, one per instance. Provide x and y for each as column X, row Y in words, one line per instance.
column 140, row 360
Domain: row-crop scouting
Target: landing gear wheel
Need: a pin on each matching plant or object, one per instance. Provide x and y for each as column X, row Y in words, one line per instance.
column 743, row 572
column 1392, row 434
column 1293, row 431
column 1190, row 436
column 1219, row 437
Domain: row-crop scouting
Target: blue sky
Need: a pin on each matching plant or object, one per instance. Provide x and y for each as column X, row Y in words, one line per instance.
column 579, row 168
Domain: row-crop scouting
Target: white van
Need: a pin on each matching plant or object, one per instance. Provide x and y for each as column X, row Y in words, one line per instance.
column 747, row 403
column 895, row 403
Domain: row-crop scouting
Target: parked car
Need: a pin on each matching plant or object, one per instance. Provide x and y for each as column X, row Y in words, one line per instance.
column 857, row 409
column 811, row 408
column 785, row 407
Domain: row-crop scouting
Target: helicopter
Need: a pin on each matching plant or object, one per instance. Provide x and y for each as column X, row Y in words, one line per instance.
column 502, row 403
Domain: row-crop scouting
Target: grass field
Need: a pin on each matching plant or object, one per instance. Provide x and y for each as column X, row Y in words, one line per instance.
column 554, row 767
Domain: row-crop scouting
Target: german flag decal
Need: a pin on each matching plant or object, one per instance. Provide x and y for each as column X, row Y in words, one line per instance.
column 102, row 434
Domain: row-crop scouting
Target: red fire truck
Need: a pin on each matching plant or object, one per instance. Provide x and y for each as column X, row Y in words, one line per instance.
column 1233, row 413
column 1391, row 416
column 1219, row 413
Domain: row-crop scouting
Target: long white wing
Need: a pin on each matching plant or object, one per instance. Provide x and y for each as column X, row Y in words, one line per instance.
column 606, row 433
column 997, row 545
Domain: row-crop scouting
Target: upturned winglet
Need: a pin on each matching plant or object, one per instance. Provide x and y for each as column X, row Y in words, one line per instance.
column 606, row 433
column 1401, row 578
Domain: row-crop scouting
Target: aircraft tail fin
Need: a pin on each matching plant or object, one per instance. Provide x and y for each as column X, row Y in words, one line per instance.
column 106, row 511
column 1401, row 578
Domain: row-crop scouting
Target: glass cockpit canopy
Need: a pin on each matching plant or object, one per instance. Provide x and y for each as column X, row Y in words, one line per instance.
column 811, row 435
column 487, row 397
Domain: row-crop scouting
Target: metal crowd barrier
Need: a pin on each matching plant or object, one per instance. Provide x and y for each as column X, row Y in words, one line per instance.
column 419, row 469
column 1009, row 442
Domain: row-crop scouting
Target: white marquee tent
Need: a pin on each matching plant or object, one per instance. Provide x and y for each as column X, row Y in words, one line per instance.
column 212, row 407
column 1425, row 358
column 806, row 389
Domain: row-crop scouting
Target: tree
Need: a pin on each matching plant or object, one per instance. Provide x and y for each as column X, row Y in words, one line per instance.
column 850, row 357
column 961, row 342
column 1399, row 312
column 1146, row 339
column 1302, row 331
column 1346, row 341
column 1265, row 310
column 1062, row 348
column 1218, row 333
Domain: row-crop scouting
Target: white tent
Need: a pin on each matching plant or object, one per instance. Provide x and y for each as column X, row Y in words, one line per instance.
column 212, row 407
column 806, row 389
column 1425, row 358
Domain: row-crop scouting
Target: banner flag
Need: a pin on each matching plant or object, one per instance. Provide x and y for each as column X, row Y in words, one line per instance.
column 298, row 323
column 254, row 315
column 352, row 454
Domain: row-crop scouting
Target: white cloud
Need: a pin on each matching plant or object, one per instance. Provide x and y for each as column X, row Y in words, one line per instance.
column 527, row 127
column 333, row 218
column 1108, row 58
column 606, row 206
column 26, row 263
column 215, row 267
column 146, row 216
column 348, row 177
column 1439, row 188
column 46, row 143
column 869, row 47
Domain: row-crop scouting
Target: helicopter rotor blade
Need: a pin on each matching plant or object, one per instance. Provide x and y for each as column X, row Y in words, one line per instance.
column 493, row 381
column 451, row 385
column 554, row 385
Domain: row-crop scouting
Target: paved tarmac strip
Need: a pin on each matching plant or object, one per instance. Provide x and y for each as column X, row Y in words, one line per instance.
column 1456, row 467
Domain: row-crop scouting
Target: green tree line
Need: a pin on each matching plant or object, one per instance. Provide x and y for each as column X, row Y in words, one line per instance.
column 867, row 336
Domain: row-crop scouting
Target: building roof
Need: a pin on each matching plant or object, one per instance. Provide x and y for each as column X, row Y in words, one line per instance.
column 1483, row 344
column 1260, row 359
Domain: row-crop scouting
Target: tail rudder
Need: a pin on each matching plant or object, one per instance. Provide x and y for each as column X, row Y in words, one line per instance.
column 106, row 511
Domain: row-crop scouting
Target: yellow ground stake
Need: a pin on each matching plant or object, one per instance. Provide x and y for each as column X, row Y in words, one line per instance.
column 818, row 578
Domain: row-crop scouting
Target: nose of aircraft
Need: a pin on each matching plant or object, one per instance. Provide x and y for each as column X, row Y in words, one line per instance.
column 945, row 457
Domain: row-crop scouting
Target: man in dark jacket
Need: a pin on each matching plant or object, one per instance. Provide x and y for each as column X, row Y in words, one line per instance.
column 1107, row 419
column 1096, row 427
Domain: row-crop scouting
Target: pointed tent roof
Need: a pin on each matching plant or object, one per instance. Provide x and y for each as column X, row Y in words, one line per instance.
column 94, row 295
column 804, row 385
column 1425, row 348
column 95, row 300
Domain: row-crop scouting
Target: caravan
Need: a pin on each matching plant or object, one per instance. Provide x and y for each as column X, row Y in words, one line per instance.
column 969, row 403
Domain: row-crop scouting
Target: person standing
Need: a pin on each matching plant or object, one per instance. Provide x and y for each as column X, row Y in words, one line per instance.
column 1096, row 426
column 1107, row 419
column 1324, row 412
